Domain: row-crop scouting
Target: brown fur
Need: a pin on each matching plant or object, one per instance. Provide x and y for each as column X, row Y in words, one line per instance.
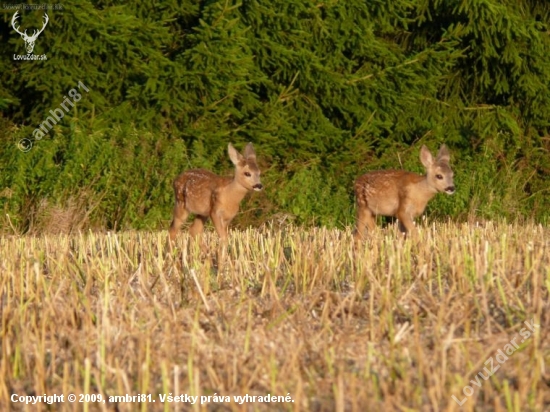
column 400, row 193
column 206, row 194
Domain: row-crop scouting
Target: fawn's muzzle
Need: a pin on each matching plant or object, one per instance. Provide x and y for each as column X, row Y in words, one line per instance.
column 257, row 187
column 450, row 190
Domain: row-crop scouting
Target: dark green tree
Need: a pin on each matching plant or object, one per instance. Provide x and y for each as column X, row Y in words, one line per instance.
column 325, row 91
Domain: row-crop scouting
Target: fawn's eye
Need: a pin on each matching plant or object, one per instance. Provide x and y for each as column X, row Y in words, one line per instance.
column 439, row 177
column 247, row 174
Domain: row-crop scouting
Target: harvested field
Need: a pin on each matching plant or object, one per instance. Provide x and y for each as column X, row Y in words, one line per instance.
column 294, row 313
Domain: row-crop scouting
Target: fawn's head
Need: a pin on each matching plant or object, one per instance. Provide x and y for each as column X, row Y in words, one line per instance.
column 438, row 172
column 247, row 172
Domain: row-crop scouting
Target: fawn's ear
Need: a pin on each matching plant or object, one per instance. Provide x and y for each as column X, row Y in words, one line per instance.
column 426, row 157
column 443, row 155
column 235, row 156
column 249, row 153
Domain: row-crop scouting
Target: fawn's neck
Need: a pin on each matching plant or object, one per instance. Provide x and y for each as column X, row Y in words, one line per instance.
column 236, row 191
column 426, row 191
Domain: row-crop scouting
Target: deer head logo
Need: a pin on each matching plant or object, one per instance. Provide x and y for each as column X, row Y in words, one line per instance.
column 29, row 40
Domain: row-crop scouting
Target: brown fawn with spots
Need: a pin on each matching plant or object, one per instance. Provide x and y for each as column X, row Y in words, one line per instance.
column 206, row 194
column 401, row 194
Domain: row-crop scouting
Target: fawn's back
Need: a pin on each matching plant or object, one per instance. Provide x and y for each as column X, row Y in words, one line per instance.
column 207, row 195
column 383, row 191
column 400, row 193
column 197, row 189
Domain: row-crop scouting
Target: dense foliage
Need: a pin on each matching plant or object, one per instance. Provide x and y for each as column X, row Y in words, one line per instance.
column 325, row 91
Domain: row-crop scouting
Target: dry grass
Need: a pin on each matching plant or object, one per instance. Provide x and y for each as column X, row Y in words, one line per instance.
column 400, row 326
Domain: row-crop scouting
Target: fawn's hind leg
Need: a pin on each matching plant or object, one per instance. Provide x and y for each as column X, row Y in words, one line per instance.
column 180, row 214
column 365, row 219
column 196, row 231
column 198, row 226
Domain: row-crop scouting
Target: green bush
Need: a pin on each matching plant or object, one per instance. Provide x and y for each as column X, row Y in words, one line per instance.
column 325, row 91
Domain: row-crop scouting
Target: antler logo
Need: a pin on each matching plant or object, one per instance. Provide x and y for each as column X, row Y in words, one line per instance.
column 29, row 40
